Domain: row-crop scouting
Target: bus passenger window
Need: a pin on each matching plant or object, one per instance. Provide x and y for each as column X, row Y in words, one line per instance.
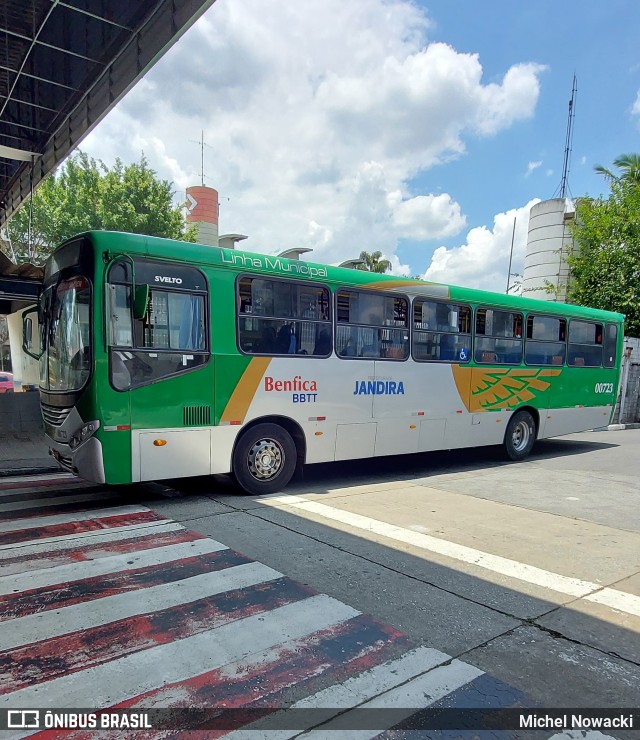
column 282, row 317
column 498, row 337
column 545, row 340
column 448, row 338
column 372, row 325
column 585, row 344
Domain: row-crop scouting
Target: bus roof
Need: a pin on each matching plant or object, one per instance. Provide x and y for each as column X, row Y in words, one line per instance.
column 244, row 261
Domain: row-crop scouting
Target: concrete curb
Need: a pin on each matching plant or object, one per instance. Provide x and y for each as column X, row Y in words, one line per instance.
column 32, row 470
column 614, row 428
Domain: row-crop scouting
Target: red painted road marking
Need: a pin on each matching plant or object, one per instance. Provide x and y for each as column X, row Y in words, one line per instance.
column 75, row 525
column 175, row 629
column 69, row 552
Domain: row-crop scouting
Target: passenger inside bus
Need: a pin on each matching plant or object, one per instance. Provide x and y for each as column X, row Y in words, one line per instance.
column 285, row 343
column 267, row 340
column 348, row 349
column 323, row 343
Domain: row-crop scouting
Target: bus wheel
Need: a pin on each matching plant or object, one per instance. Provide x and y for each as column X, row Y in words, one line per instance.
column 520, row 435
column 264, row 459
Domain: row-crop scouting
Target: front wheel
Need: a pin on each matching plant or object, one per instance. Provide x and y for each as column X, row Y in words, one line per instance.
column 520, row 435
column 264, row 459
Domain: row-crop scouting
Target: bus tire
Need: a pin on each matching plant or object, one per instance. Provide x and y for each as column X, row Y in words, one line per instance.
column 520, row 435
column 264, row 459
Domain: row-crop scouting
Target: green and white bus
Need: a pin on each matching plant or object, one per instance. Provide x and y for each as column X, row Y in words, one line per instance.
column 163, row 359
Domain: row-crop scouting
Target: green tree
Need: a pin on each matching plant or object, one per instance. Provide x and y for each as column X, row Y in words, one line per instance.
column 373, row 262
column 86, row 194
column 605, row 268
column 628, row 166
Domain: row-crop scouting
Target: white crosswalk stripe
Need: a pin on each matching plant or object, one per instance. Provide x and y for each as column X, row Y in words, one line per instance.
column 117, row 606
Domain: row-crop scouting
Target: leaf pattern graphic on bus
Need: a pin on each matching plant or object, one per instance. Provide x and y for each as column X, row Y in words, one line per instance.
column 499, row 388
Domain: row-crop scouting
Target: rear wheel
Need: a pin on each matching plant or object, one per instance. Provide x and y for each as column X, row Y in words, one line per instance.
column 520, row 435
column 264, row 459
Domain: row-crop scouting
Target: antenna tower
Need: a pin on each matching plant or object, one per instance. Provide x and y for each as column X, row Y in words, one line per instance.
column 564, row 185
column 202, row 144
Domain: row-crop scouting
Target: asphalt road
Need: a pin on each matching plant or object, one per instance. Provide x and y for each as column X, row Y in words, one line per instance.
column 503, row 565
column 506, row 584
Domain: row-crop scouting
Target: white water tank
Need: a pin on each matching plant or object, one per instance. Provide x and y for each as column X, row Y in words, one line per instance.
column 549, row 242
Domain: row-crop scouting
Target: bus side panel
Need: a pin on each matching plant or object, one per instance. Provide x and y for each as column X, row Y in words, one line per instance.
column 115, row 435
column 171, row 426
column 581, row 398
column 113, row 408
column 320, row 395
column 401, row 393
column 494, row 393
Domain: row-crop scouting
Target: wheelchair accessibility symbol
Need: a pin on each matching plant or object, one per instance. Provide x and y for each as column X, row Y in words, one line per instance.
column 462, row 355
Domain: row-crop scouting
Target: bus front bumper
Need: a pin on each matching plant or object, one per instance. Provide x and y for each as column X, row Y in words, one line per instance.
column 85, row 461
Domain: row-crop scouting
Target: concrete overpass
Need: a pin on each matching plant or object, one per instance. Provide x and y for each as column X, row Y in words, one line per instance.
column 63, row 65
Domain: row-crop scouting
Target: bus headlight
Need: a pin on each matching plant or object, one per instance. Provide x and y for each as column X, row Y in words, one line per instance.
column 83, row 434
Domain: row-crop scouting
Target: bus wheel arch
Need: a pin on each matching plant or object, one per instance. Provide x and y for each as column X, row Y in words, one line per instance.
column 267, row 454
column 521, row 433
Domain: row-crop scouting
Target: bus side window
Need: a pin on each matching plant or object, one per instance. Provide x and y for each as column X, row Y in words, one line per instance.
column 545, row 340
column 498, row 337
column 282, row 317
column 448, row 338
column 119, row 315
column 610, row 345
column 372, row 325
column 171, row 336
column 585, row 344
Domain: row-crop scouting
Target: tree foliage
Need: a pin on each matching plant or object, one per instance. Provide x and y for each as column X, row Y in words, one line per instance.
column 605, row 268
column 374, row 262
column 628, row 166
column 85, row 194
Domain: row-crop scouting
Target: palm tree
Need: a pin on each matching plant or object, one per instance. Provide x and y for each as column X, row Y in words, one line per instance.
column 628, row 166
column 373, row 262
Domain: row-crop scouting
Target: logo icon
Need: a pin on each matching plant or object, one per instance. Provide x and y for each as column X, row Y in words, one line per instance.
column 23, row 719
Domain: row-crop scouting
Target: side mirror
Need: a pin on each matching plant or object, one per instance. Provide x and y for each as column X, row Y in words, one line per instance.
column 27, row 333
column 140, row 301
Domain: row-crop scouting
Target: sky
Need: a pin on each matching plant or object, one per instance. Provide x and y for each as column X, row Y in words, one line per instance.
column 422, row 129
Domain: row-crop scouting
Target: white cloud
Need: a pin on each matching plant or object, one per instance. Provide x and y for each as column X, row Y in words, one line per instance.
column 636, row 106
column 316, row 117
column 426, row 217
column 483, row 261
column 532, row 166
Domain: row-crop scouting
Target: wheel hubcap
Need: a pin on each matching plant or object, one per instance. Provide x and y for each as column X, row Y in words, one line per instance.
column 520, row 436
column 265, row 459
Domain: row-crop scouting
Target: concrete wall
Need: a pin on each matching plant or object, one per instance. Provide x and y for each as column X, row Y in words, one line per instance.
column 20, row 412
column 628, row 404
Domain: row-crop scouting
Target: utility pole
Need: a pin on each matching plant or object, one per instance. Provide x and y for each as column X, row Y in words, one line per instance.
column 513, row 236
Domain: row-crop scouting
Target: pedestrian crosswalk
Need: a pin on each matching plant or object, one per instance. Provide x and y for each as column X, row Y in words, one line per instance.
column 106, row 604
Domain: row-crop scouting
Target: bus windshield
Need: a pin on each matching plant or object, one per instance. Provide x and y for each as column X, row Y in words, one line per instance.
column 65, row 364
